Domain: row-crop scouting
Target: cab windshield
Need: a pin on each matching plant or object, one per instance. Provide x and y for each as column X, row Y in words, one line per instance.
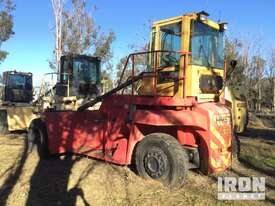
column 17, row 81
column 207, row 46
column 84, row 70
column 81, row 70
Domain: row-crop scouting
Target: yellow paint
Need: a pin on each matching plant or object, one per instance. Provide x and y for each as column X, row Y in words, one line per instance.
column 167, row 21
column 235, row 99
column 213, row 145
column 222, row 162
column 214, row 163
column 218, row 135
column 19, row 118
column 226, row 160
column 193, row 72
column 225, row 155
column 215, row 132
column 212, row 24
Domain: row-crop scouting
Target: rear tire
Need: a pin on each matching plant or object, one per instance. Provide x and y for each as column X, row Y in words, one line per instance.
column 37, row 137
column 159, row 156
column 3, row 122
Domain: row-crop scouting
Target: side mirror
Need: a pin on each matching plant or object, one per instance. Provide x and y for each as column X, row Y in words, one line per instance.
column 233, row 63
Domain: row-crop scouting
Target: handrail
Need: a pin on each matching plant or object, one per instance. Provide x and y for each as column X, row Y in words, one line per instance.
column 43, row 93
column 156, row 68
column 113, row 91
column 134, row 78
column 145, row 52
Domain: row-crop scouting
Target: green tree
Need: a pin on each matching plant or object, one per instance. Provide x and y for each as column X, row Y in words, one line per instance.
column 79, row 33
column 141, row 61
column 6, row 24
column 233, row 51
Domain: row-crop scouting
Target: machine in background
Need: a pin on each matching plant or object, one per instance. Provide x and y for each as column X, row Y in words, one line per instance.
column 16, row 95
column 78, row 81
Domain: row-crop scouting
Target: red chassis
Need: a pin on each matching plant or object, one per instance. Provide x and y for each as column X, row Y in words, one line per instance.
column 112, row 132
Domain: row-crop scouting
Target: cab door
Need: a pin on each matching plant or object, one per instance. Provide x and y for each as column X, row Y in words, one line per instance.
column 167, row 44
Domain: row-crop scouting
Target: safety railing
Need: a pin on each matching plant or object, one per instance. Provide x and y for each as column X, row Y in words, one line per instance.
column 49, row 82
column 134, row 76
column 154, row 62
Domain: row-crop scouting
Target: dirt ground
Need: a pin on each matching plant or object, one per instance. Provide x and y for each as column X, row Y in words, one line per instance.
column 74, row 180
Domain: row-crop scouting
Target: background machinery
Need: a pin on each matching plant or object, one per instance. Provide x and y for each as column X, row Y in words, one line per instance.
column 16, row 94
column 78, row 81
column 165, row 115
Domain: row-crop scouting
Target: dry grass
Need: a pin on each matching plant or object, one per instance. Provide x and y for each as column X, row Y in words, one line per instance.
column 26, row 180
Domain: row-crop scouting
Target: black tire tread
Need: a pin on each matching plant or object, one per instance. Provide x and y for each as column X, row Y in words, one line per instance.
column 42, row 142
column 178, row 152
column 236, row 147
column 3, row 122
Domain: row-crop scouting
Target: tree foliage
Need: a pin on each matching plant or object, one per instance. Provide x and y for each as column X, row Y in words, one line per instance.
column 233, row 52
column 254, row 71
column 80, row 34
column 6, row 24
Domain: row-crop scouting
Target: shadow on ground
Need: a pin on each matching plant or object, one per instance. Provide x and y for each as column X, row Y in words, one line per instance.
column 49, row 184
column 260, row 133
column 14, row 174
column 49, row 181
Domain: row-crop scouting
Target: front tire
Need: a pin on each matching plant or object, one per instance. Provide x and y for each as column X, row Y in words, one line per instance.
column 235, row 147
column 37, row 137
column 159, row 156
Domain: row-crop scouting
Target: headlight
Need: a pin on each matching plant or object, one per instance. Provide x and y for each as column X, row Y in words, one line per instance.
column 223, row 26
column 202, row 16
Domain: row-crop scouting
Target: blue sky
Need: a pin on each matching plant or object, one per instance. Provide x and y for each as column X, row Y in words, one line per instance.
column 33, row 42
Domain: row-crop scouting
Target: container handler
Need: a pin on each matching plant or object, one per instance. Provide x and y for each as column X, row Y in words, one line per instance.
column 165, row 116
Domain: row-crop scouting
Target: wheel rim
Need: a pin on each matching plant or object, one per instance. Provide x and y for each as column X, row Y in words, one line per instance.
column 156, row 163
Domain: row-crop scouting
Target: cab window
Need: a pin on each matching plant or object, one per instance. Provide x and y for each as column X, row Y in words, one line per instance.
column 170, row 37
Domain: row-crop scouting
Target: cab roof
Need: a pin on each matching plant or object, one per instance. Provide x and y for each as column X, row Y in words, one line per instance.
column 193, row 15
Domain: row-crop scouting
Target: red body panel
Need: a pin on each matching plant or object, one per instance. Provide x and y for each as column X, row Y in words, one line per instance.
column 112, row 132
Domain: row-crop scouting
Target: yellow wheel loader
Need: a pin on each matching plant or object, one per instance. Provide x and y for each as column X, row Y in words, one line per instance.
column 78, row 81
column 16, row 94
